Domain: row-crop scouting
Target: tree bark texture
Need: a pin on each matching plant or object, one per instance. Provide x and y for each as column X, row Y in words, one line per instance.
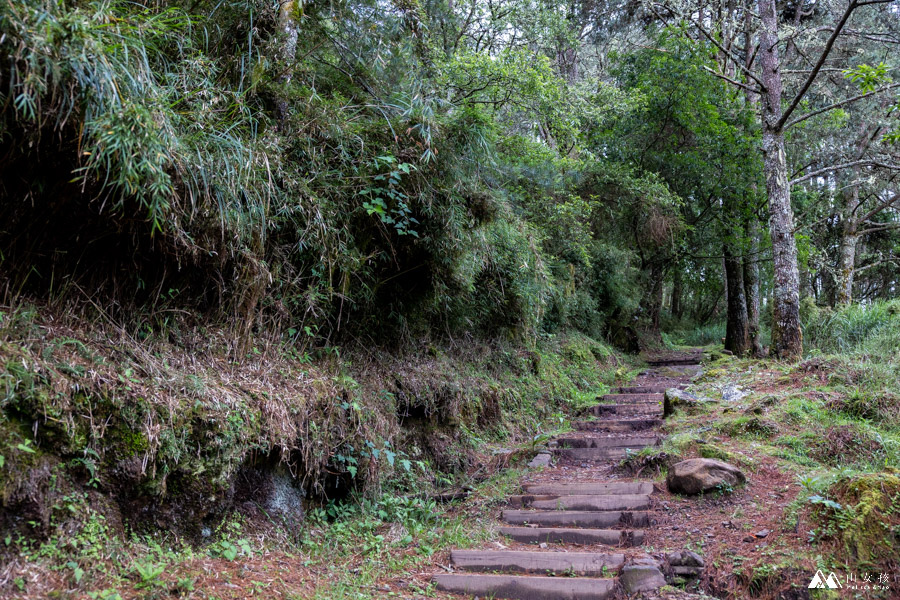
column 289, row 30
column 737, row 331
column 751, row 287
column 849, row 241
column 676, row 308
column 653, row 300
column 787, row 340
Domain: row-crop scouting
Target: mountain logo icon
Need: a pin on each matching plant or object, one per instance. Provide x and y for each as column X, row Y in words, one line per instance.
column 819, row 581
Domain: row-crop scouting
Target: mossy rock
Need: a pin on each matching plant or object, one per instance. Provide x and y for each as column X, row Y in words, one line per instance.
column 869, row 522
column 711, row 374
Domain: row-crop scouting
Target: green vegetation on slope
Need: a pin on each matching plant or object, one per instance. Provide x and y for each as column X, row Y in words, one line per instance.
column 106, row 439
column 832, row 422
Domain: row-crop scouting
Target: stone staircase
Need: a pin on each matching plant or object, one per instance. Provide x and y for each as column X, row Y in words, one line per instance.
column 587, row 523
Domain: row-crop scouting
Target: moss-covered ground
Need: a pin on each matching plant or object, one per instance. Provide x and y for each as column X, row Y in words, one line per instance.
column 820, row 443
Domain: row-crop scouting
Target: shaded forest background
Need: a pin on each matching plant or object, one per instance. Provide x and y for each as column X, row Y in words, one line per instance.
column 328, row 172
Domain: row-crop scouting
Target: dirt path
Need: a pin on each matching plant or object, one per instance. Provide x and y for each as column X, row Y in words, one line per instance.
column 576, row 531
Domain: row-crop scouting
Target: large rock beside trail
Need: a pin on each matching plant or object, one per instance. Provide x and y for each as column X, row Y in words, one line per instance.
column 697, row 475
column 676, row 399
column 641, row 576
column 541, row 460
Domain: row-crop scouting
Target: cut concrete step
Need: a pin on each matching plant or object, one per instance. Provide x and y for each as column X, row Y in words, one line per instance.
column 642, row 410
column 568, row 489
column 633, row 441
column 559, row 535
column 582, row 502
column 618, row 425
column 593, row 564
column 525, row 588
column 578, row 518
column 632, row 398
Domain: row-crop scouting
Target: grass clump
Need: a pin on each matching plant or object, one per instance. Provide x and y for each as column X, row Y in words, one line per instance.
column 748, row 426
column 856, row 329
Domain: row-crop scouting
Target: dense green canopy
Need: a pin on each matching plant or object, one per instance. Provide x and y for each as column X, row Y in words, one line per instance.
column 368, row 168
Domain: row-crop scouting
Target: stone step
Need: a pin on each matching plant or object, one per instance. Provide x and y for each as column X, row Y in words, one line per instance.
column 593, row 564
column 618, row 425
column 578, row 518
column 632, row 441
column 560, row 535
column 640, row 410
column 582, row 502
column 525, row 588
column 588, row 488
column 680, row 361
column 647, row 389
column 632, row 398
column 595, row 454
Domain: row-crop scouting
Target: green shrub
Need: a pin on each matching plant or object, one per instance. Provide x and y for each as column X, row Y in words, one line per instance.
column 871, row 329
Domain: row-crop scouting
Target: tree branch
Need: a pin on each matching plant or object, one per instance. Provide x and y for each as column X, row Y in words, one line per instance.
column 880, row 207
column 818, row 66
column 855, row 163
column 876, row 263
column 877, row 229
column 727, row 52
column 841, row 103
column 733, row 81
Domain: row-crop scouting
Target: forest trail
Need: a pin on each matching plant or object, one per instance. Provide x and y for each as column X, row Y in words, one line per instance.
column 578, row 503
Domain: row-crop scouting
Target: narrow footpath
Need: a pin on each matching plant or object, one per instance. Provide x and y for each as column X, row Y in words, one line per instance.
column 576, row 531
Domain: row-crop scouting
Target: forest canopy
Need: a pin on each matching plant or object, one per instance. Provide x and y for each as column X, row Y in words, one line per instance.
column 393, row 169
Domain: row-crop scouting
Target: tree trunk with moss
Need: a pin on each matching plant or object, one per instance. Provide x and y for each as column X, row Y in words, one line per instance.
column 289, row 30
column 676, row 308
column 787, row 340
column 737, row 331
column 751, row 287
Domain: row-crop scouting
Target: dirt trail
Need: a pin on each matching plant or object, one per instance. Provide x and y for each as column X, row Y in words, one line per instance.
column 576, row 530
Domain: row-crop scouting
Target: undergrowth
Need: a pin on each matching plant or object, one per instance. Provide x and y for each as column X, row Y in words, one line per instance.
column 106, row 437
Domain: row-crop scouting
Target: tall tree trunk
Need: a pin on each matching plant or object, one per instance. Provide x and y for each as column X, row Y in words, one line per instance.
column 289, row 30
column 737, row 330
column 850, row 218
column 676, row 308
column 652, row 302
column 849, row 240
column 787, row 340
column 751, row 225
column 751, row 287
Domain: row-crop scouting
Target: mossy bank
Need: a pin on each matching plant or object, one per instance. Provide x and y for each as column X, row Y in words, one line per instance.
column 172, row 433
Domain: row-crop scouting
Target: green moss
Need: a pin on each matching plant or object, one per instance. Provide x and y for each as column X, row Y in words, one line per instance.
column 713, row 451
column 712, row 374
column 869, row 523
column 128, row 442
column 751, row 426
